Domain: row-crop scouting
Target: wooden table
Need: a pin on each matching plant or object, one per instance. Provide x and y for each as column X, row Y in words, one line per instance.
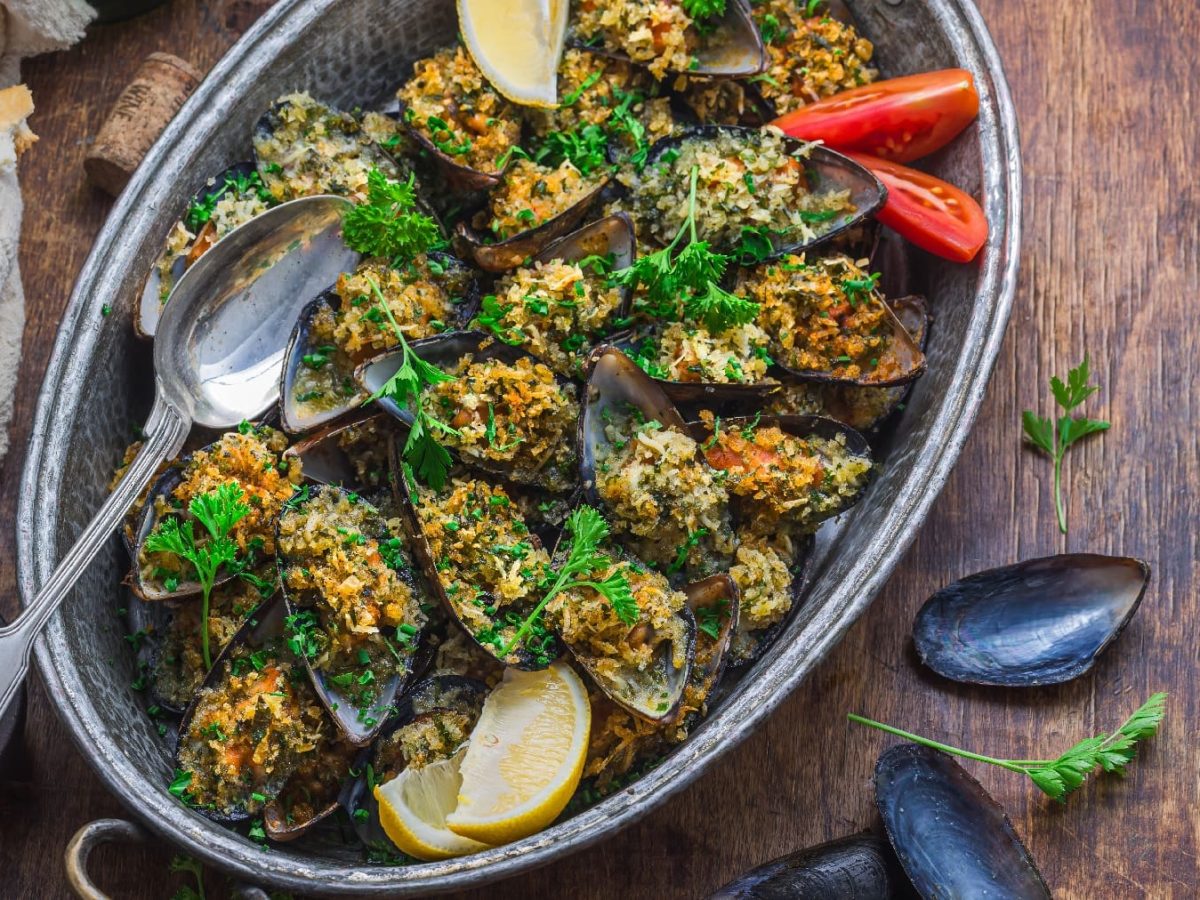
column 1106, row 92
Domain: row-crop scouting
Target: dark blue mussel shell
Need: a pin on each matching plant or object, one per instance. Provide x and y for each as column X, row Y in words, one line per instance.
column 1042, row 621
column 860, row 867
column 953, row 840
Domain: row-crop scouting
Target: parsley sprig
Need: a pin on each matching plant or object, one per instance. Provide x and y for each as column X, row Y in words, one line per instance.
column 182, row 863
column 704, row 9
column 588, row 531
column 691, row 276
column 422, row 452
column 1060, row 776
column 199, row 213
column 1055, row 438
column 218, row 511
column 388, row 223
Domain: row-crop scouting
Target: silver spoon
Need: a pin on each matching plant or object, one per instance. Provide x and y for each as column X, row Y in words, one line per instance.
column 218, row 353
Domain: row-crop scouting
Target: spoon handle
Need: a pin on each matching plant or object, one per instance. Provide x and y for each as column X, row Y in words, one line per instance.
column 165, row 431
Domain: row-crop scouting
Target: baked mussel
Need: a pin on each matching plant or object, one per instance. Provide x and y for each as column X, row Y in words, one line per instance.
column 484, row 563
column 638, row 645
column 951, row 837
column 358, row 319
column 1041, row 621
column 715, row 603
column 643, row 470
column 666, row 40
column 228, row 200
column 859, row 867
column 506, row 411
column 353, row 453
column 434, row 718
column 355, row 602
column 826, row 322
column 561, row 305
column 759, row 191
column 250, row 459
column 250, row 726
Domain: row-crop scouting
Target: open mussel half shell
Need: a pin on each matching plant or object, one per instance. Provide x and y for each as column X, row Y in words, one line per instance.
column 951, row 837
column 615, row 386
column 825, row 170
column 358, row 722
column 613, row 236
column 903, row 358
column 427, row 700
column 352, row 453
column 458, row 176
column 715, row 604
column 747, row 646
column 157, row 288
column 312, row 795
column 732, row 49
column 303, row 405
column 860, row 867
column 446, row 351
column 500, row 256
column 142, row 580
column 1042, row 621
column 260, row 634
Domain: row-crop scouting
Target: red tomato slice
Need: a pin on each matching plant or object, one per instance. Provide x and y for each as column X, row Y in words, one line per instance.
column 929, row 212
column 901, row 119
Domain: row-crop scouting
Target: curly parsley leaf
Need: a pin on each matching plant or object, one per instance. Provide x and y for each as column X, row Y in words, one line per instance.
column 186, row 864
column 1054, row 438
column 388, row 224
column 718, row 309
column 704, row 9
column 1060, row 776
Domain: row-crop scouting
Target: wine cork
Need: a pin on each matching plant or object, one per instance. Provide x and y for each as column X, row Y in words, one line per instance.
column 147, row 104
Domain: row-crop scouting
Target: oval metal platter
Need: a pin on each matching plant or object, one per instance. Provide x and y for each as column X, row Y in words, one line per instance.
column 355, row 52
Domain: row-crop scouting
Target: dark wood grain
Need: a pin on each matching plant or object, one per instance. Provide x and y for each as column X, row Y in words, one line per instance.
column 1106, row 92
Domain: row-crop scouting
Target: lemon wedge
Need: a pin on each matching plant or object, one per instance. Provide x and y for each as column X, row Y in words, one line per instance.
column 525, row 756
column 517, row 45
column 413, row 808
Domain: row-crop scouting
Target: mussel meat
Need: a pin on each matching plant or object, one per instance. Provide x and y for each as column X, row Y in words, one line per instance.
column 951, row 837
column 1042, row 621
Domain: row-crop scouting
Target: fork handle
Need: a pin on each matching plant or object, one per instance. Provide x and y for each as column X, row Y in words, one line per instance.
column 165, row 431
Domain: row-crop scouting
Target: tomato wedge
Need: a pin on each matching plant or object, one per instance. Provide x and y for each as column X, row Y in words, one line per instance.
column 929, row 212
column 901, row 119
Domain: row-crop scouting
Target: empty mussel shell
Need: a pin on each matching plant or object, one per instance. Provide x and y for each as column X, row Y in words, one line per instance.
column 951, row 837
column 732, row 48
column 825, row 171
column 326, row 526
column 860, row 867
column 1042, row 621
column 174, row 260
column 500, row 256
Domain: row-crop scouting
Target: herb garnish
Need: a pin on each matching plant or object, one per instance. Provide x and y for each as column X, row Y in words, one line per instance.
column 1054, row 439
column 692, row 276
column 423, row 454
column 1059, row 777
column 388, row 224
column 182, row 863
column 703, row 9
column 588, row 530
column 586, row 148
column 199, row 213
column 218, row 511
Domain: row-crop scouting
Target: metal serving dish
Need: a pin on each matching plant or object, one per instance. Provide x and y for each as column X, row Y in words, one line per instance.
column 96, row 388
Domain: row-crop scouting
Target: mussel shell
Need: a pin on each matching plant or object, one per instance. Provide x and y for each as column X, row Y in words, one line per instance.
column 445, row 351
column 444, row 691
column 829, row 168
column 705, row 394
column 281, row 827
column 802, row 573
column 458, row 176
column 613, row 383
column 150, row 303
column 860, row 867
column 143, row 589
column 613, row 234
column 734, row 50
column 293, row 416
column 512, row 252
column 263, row 625
column 1042, row 621
column 951, row 837
column 356, row 728
column 324, row 461
column 711, row 654
column 408, row 500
